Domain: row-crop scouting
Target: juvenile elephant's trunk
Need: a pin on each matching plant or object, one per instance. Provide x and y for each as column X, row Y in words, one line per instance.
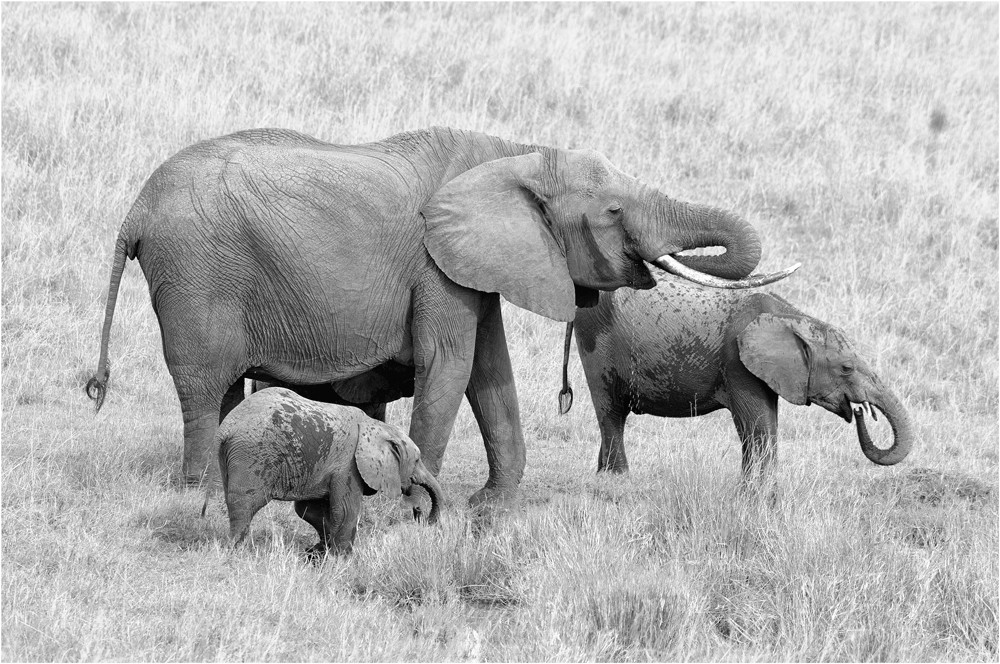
column 902, row 431
column 423, row 477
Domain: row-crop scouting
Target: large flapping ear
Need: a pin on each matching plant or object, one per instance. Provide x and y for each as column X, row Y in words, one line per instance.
column 405, row 449
column 774, row 350
column 385, row 456
column 486, row 230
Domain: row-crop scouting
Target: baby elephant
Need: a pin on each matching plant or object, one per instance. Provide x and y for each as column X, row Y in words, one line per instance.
column 681, row 350
column 277, row 445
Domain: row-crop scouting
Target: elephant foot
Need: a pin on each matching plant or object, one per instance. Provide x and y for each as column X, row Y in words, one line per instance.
column 316, row 553
column 763, row 491
column 494, row 499
column 189, row 481
column 612, row 462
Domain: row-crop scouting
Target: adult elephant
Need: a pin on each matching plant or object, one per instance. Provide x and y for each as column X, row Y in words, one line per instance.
column 272, row 255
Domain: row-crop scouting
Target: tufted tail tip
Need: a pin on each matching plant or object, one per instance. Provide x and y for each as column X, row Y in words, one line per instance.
column 565, row 400
column 96, row 390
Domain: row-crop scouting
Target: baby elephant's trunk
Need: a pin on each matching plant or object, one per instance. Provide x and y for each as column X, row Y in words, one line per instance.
column 423, row 477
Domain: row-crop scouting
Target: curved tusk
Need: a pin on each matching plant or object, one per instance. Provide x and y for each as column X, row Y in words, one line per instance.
column 672, row 265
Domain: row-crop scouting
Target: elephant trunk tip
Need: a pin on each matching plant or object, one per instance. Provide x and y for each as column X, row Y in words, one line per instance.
column 435, row 505
column 433, row 488
column 96, row 390
column 901, row 432
column 435, row 509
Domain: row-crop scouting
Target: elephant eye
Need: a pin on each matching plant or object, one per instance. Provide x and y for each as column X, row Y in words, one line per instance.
column 615, row 209
column 846, row 369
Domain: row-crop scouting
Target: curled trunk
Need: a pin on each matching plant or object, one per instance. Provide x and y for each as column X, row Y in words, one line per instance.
column 706, row 226
column 902, row 432
column 423, row 477
column 696, row 227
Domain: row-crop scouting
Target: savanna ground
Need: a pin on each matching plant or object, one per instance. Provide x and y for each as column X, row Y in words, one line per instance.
column 860, row 139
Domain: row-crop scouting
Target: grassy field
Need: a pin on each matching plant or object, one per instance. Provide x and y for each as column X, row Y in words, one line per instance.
column 860, row 140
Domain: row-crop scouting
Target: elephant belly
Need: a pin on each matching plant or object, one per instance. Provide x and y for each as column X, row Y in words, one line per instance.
column 682, row 389
column 676, row 405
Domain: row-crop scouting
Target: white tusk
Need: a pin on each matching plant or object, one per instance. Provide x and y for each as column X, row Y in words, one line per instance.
column 672, row 265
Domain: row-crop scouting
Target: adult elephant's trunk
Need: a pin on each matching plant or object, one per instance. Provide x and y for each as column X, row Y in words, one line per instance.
column 423, row 477
column 706, row 226
column 902, row 431
column 698, row 226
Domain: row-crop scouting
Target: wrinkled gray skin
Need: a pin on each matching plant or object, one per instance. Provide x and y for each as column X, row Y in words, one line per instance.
column 277, row 445
column 271, row 255
column 681, row 350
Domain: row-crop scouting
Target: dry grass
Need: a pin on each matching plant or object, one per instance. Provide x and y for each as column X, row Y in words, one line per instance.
column 860, row 139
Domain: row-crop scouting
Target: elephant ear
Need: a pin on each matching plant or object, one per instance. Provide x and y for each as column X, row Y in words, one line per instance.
column 487, row 231
column 775, row 349
column 385, row 457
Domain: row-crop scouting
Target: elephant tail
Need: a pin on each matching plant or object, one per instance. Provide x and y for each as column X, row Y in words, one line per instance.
column 125, row 248
column 566, row 394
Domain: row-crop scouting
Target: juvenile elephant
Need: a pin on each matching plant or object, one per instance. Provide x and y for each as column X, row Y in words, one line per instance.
column 272, row 255
column 278, row 445
column 680, row 350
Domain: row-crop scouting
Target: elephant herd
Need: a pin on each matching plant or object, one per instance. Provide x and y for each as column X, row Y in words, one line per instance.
column 354, row 275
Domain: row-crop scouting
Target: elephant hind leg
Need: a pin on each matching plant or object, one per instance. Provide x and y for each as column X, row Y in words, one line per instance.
column 314, row 512
column 610, row 396
column 205, row 348
column 611, row 457
column 241, row 512
column 611, row 414
column 201, row 400
column 492, row 396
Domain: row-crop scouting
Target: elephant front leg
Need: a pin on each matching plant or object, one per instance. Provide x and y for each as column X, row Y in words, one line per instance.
column 444, row 341
column 755, row 414
column 493, row 398
column 343, row 512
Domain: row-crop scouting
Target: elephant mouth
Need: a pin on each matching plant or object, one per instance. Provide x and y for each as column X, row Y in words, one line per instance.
column 848, row 408
column 858, row 408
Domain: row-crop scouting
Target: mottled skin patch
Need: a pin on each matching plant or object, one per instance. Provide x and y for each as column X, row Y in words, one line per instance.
column 277, row 445
column 673, row 351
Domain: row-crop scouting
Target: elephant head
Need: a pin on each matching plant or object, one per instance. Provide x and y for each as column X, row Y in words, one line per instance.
column 389, row 461
column 807, row 361
column 547, row 229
